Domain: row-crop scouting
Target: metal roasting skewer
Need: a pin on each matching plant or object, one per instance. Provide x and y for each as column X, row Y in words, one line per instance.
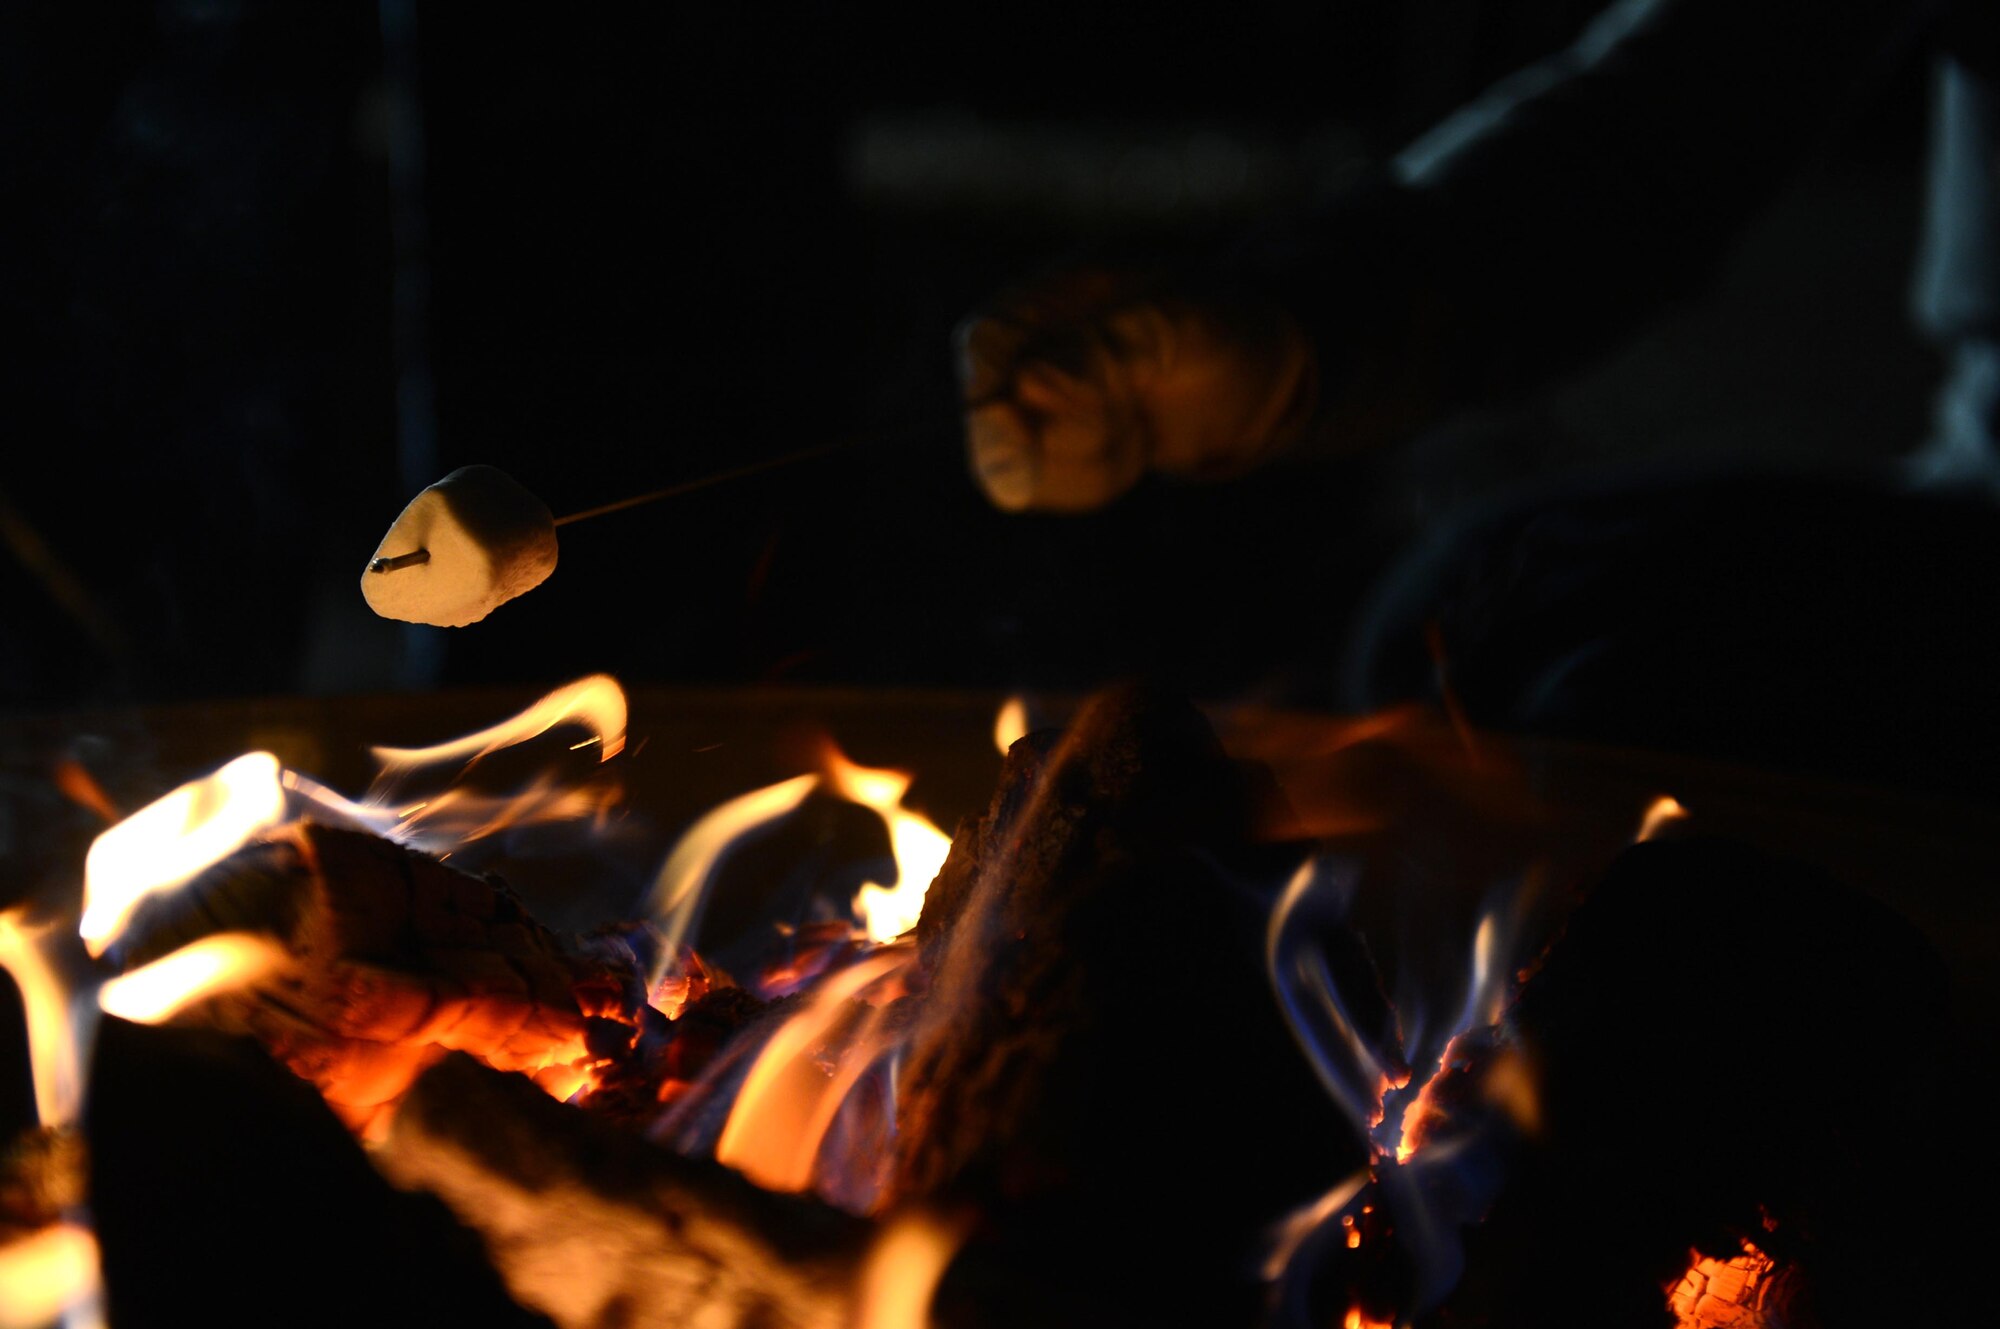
column 409, row 560
column 420, row 556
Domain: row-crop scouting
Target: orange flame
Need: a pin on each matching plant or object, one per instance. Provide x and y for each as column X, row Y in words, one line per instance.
column 789, row 1099
column 164, row 844
column 918, row 845
column 45, row 1274
column 596, row 701
column 1661, row 813
column 80, row 787
column 903, row 1268
column 53, row 1057
column 1010, row 726
column 1356, row 1320
column 215, row 964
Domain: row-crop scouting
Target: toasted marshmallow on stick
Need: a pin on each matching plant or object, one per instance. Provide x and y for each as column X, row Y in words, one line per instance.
column 460, row 550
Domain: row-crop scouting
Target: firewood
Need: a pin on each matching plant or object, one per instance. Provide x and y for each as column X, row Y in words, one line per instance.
column 400, row 958
column 1728, row 1045
column 1097, row 1062
column 593, row 1226
column 224, row 1192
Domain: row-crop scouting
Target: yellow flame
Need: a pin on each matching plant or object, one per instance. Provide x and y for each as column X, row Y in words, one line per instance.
column 45, row 1273
column 903, row 1268
column 918, row 845
column 1663, row 812
column 788, row 1101
column 464, row 816
column 678, row 890
column 1356, row 1320
column 165, row 843
column 215, row 964
column 1011, row 725
column 596, row 701
column 53, row 1057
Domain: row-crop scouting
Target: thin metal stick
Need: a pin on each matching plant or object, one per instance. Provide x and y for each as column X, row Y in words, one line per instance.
column 409, row 560
column 720, row 477
column 773, row 463
column 684, row 487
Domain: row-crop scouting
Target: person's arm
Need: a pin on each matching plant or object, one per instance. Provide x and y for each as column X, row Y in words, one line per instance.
column 1528, row 230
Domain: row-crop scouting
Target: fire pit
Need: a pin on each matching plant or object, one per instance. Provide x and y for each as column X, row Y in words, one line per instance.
column 1246, row 1017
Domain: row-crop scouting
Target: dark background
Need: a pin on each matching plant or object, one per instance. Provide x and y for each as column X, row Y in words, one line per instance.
column 273, row 266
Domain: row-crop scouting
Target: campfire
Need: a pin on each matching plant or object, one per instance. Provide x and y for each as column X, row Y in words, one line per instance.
column 1218, row 1018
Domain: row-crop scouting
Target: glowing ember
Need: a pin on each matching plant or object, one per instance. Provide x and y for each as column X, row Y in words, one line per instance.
column 1291, row 1233
column 1011, row 725
column 1356, row 1320
column 165, row 843
column 1724, row 1294
column 215, row 964
column 45, row 1274
column 903, row 1270
column 597, row 702
column 790, row 1099
column 52, row 1045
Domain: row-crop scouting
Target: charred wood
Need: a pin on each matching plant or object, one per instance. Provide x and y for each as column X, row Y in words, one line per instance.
column 594, row 1227
column 224, row 1192
column 1729, row 1046
column 400, row 958
column 1097, row 1062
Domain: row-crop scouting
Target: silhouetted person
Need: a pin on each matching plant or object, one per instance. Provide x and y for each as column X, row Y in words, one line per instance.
column 1811, row 621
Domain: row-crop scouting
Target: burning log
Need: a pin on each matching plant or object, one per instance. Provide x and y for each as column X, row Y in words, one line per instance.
column 224, row 1192
column 395, row 960
column 593, row 1226
column 1090, row 1062
column 1096, row 1062
column 1724, row 1046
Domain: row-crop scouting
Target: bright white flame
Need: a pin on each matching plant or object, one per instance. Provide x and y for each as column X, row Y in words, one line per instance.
column 1011, row 725
column 682, row 885
column 789, row 1099
column 1663, row 812
column 918, row 845
column 596, row 701
column 901, row 1274
column 45, row 1273
column 215, row 964
column 165, row 843
column 53, row 1056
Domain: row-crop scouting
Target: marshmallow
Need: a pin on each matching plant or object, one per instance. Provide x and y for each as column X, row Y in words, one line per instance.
column 488, row 539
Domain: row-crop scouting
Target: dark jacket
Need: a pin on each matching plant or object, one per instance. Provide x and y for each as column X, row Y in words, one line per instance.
column 1574, row 198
